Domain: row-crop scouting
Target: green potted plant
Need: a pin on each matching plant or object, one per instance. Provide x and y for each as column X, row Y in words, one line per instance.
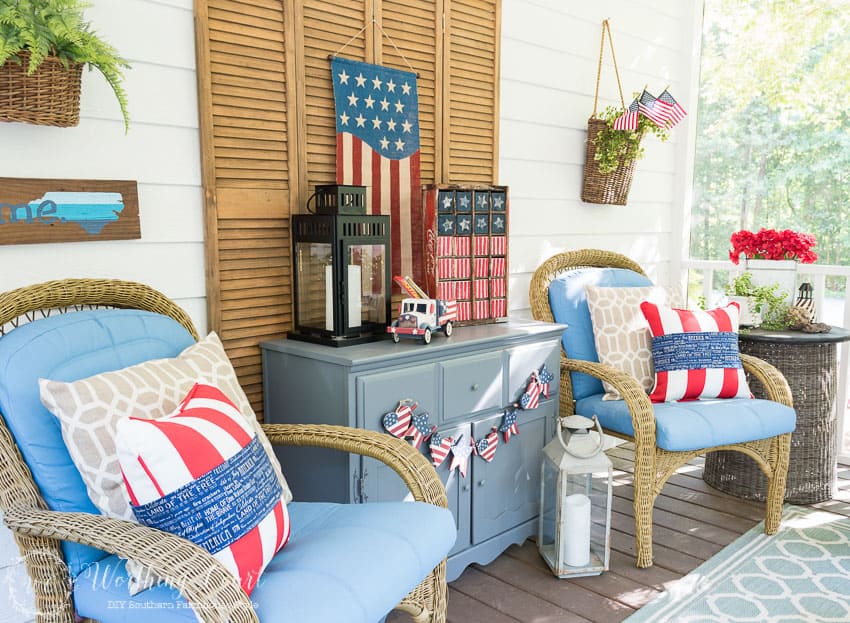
column 761, row 306
column 616, row 148
column 43, row 46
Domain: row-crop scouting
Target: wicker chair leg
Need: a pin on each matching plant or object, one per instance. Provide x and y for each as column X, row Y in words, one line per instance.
column 776, row 483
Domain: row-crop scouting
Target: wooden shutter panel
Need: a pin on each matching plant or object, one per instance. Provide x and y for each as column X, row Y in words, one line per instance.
column 471, row 91
column 244, row 103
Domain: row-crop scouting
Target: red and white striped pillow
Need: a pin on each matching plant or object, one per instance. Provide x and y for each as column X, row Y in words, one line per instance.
column 695, row 353
column 202, row 473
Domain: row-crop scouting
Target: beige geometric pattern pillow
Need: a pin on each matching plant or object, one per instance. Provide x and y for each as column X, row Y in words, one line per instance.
column 621, row 333
column 90, row 408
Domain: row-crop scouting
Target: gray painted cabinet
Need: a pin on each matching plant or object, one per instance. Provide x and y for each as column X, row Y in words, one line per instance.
column 464, row 383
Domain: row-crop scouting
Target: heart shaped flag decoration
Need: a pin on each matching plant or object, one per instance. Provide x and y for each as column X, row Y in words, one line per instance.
column 440, row 447
column 397, row 422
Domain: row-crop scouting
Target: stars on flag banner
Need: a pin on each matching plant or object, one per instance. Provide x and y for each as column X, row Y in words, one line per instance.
column 377, row 146
column 440, row 447
column 419, row 430
column 460, row 456
column 397, row 422
column 486, row 448
column 509, row 425
column 629, row 119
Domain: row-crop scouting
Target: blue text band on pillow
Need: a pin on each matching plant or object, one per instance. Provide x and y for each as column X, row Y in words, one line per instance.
column 688, row 351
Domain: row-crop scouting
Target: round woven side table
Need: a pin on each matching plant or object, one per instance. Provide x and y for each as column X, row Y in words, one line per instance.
column 809, row 363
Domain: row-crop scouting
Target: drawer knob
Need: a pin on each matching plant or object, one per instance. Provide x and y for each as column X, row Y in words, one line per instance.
column 465, row 487
column 474, row 387
column 480, row 483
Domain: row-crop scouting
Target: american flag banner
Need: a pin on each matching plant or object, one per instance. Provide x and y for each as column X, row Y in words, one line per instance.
column 463, row 290
column 440, row 447
column 509, row 425
column 482, row 288
column 462, row 245
column 397, row 422
column 499, row 245
column 673, row 111
column 482, row 245
column 377, row 146
column 482, row 309
column 649, row 109
column 486, row 448
column 460, row 456
column 482, row 266
column 629, row 119
column 463, row 268
column 444, row 245
column 420, row 429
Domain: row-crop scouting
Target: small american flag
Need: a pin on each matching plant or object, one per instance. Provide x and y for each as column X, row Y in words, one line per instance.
column 460, row 456
column 397, row 422
column 649, row 109
column 486, row 448
column 419, row 430
column 672, row 109
column 509, row 425
column 629, row 119
column 440, row 447
column 531, row 398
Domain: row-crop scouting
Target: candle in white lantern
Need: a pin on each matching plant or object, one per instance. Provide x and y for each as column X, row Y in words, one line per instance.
column 576, row 518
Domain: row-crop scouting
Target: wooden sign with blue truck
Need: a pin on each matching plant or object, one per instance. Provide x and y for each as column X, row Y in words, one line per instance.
column 420, row 316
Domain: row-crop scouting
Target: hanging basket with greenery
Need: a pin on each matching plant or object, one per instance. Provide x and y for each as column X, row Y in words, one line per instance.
column 44, row 45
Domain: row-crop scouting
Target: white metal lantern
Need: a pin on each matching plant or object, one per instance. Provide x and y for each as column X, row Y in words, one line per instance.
column 575, row 500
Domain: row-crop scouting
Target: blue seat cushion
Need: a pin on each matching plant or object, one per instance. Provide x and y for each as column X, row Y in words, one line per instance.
column 68, row 347
column 568, row 302
column 698, row 424
column 344, row 562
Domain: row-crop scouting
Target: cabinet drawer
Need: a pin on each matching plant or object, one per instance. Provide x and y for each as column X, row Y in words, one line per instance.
column 380, row 393
column 524, row 359
column 472, row 384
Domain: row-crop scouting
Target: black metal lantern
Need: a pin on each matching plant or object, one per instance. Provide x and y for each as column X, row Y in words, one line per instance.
column 341, row 265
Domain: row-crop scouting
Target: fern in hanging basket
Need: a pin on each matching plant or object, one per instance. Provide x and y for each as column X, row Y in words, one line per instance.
column 51, row 36
column 615, row 148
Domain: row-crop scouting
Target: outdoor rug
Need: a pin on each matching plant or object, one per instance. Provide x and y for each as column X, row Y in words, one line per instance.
column 800, row 574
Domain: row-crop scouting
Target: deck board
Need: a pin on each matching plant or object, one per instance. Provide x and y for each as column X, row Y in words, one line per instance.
column 691, row 522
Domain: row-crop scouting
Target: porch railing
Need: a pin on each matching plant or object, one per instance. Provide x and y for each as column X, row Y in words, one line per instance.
column 832, row 310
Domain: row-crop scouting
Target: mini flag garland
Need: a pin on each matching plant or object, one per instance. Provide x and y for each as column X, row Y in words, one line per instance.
column 440, row 447
column 537, row 385
column 460, row 456
column 545, row 377
column 486, row 448
column 419, row 430
column 509, row 425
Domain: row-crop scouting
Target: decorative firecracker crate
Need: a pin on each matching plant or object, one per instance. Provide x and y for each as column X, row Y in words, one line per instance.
column 466, row 249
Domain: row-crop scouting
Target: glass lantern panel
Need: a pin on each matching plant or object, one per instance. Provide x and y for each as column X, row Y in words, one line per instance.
column 595, row 486
column 547, row 538
column 367, row 287
column 315, row 285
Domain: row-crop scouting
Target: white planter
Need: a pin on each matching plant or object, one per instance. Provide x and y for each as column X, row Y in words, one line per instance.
column 749, row 316
column 769, row 272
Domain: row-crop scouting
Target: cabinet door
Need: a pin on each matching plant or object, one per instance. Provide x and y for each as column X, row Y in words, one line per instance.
column 522, row 360
column 506, row 491
column 382, row 484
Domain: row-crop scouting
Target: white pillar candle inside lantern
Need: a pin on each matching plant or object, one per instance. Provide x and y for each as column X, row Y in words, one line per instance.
column 575, row 501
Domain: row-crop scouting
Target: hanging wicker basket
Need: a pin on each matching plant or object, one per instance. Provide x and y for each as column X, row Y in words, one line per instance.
column 597, row 187
column 50, row 96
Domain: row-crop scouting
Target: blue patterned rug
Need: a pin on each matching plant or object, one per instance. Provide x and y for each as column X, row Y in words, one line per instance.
column 801, row 574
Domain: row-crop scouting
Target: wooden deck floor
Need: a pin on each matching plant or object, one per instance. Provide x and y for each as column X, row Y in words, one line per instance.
column 692, row 522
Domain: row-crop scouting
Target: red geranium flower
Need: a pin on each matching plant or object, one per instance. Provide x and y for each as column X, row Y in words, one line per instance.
column 770, row 244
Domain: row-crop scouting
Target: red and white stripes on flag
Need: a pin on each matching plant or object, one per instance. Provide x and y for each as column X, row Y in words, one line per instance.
column 462, row 245
column 446, row 290
column 463, row 290
column 497, row 288
column 498, row 267
column 440, row 447
column 482, row 288
column 444, row 245
column 482, row 309
column 629, row 119
column 464, row 310
column 463, row 268
column 377, row 146
column 673, row 111
column 446, row 267
column 499, row 308
column 482, row 245
column 482, row 266
column 486, row 448
column 499, row 245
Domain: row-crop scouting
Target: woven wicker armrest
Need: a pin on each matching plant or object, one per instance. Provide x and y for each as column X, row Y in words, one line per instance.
column 201, row 579
column 418, row 474
column 773, row 381
column 640, row 408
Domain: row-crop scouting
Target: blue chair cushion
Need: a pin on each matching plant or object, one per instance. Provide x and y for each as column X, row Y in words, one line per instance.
column 698, row 424
column 344, row 562
column 68, row 347
column 568, row 302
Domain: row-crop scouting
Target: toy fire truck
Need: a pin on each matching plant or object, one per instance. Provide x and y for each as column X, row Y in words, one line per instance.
column 419, row 316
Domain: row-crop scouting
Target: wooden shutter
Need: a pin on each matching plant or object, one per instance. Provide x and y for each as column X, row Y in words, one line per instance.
column 244, row 99
column 471, row 91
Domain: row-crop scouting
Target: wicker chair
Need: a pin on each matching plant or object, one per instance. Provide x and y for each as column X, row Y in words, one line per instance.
column 197, row 575
column 654, row 465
